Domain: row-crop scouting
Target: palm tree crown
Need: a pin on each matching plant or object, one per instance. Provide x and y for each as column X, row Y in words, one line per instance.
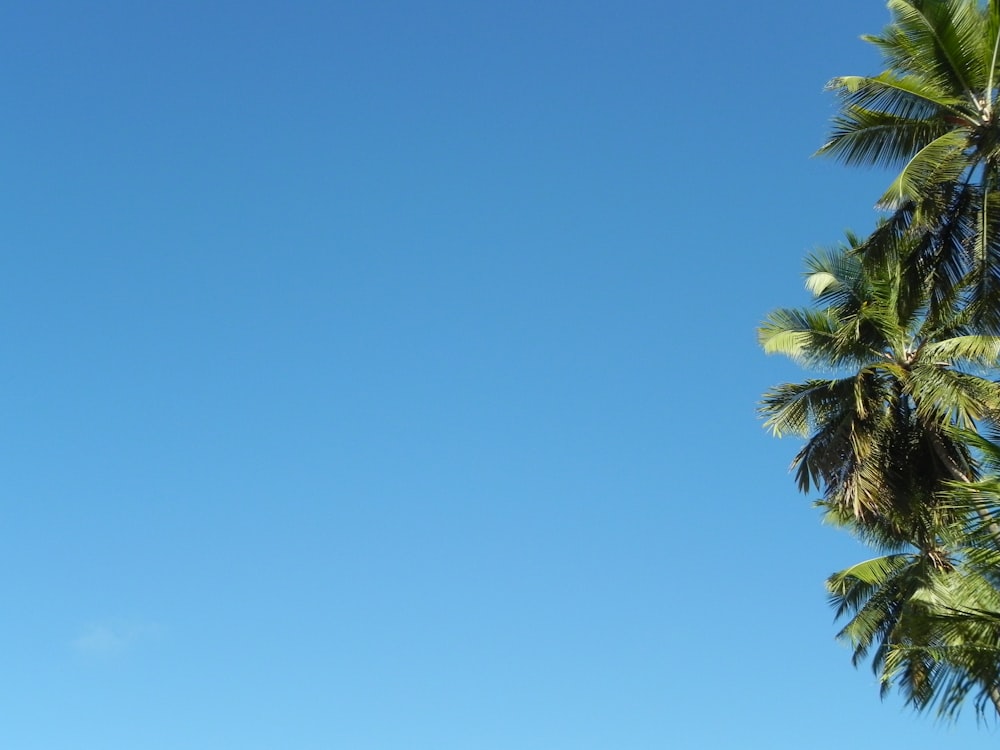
column 934, row 114
column 933, row 111
column 880, row 438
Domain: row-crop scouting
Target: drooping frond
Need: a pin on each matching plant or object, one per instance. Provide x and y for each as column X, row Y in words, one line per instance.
column 869, row 137
column 945, row 396
column 872, row 595
column 969, row 350
column 943, row 160
column 798, row 408
column 983, row 278
column 910, row 97
column 814, row 338
column 929, row 623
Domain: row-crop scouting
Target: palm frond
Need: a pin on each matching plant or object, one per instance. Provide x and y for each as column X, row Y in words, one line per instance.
column 943, row 160
column 869, row 137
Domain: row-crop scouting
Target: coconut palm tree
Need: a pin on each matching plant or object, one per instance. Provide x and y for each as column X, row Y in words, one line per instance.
column 903, row 334
column 929, row 623
column 892, row 443
column 892, row 434
column 880, row 432
column 934, row 114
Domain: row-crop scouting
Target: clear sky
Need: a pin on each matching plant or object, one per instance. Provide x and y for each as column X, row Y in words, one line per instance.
column 382, row 374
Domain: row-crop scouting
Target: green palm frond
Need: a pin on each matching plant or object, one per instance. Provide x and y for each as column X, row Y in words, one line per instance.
column 978, row 350
column 868, row 137
column 930, row 626
column 983, row 279
column 835, row 276
column 906, row 96
column 872, row 595
column 797, row 334
column 947, row 397
column 797, row 408
column 869, row 573
column 942, row 41
column 818, row 338
column 943, row 160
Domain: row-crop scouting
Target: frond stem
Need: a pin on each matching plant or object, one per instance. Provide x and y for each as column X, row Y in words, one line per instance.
column 990, row 99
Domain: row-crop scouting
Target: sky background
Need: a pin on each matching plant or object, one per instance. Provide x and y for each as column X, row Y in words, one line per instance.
column 383, row 375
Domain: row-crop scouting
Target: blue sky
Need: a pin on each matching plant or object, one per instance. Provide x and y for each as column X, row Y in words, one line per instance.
column 383, row 375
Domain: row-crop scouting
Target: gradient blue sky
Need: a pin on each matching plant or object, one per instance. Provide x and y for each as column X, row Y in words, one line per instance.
column 383, row 375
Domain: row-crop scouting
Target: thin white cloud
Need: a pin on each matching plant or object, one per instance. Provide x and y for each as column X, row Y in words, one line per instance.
column 108, row 638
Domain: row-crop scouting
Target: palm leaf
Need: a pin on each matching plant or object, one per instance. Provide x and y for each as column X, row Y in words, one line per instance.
column 869, row 137
column 943, row 160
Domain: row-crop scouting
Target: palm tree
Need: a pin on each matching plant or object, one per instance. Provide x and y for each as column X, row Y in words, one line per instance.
column 891, row 432
column 931, row 625
column 903, row 336
column 934, row 114
column 880, row 437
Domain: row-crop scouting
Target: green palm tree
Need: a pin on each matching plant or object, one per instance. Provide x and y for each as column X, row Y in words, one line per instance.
column 880, row 432
column 902, row 337
column 891, row 431
column 933, row 113
column 930, row 624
